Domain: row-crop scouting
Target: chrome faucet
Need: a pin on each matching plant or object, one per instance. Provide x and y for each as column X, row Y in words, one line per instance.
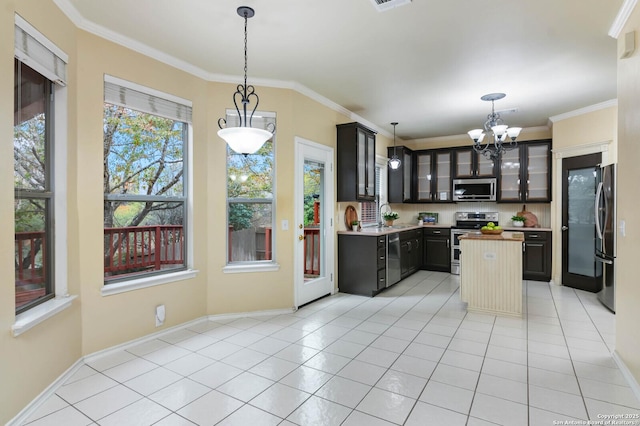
column 389, row 210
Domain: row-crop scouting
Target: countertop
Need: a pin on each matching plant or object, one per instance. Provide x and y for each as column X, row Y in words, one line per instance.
column 505, row 236
column 373, row 231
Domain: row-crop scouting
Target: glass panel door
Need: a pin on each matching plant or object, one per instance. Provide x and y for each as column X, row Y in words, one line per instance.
column 313, row 187
column 424, row 176
column 579, row 268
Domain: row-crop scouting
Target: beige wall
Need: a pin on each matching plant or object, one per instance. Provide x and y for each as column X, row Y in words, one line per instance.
column 28, row 364
column 31, row 361
column 628, row 288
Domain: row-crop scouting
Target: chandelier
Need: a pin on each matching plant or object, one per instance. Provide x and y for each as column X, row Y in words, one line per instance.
column 498, row 131
column 245, row 139
column 394, row 161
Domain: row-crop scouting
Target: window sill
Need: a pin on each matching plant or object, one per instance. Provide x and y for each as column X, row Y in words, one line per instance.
column 123, row 287
column 34, row 316
column 252, row 267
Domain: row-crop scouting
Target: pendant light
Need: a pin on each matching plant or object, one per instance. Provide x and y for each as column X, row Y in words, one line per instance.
column 244, row 139
column 394, row 161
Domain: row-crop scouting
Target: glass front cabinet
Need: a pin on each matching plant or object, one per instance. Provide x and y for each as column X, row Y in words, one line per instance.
column 433, row 176
column 470, row 164
column 525, row 173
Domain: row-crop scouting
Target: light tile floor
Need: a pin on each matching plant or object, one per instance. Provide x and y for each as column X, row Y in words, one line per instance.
column 410, row 356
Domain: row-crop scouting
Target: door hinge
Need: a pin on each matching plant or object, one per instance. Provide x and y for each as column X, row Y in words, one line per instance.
column 332, row 277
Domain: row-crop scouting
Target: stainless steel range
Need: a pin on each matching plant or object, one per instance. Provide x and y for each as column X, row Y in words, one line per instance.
column 466, row 222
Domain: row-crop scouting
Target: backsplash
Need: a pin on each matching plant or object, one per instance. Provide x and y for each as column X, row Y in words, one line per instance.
column 409, row 212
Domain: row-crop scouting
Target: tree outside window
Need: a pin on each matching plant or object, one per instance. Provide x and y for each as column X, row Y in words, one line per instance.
column 144, row 193
column 250, row 190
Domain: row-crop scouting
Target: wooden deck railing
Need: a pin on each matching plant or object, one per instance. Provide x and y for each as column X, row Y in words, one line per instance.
column 142, row 248
column 312, row 251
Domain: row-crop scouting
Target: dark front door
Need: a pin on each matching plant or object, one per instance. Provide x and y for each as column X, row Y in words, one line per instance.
column 578, row 221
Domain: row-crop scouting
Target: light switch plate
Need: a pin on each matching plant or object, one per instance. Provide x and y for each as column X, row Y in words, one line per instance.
column 285, row 225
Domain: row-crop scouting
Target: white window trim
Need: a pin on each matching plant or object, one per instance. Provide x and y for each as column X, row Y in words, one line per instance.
column 30, row 318
column 251, row 267
column 168, row 278
column 145, row 282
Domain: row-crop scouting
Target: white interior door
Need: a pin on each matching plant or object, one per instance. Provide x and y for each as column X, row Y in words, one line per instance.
column 314, row 228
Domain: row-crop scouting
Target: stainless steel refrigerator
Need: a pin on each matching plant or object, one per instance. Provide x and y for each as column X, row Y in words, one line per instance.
column 605, row 249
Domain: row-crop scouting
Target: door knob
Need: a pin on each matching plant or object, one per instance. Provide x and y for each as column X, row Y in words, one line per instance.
column 300, row 226
column 300, row 237
column 564, row 227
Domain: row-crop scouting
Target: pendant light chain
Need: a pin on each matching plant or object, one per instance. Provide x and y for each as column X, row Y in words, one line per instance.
column 245, row 49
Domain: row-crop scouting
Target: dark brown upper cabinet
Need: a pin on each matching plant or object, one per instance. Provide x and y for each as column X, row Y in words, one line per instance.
column 470, row 164
column 525, row 173
column 400, row 180
column 356, row 165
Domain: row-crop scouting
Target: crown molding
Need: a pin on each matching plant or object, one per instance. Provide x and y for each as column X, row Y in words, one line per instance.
column 622, row 17
column 585, row 110
column 79, row 21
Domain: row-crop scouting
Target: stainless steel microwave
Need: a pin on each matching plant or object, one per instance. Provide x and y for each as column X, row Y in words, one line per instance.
column 474, row 189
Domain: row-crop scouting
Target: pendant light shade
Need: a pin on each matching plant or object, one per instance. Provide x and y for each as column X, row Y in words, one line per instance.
column 394, row 161
column 245, row 139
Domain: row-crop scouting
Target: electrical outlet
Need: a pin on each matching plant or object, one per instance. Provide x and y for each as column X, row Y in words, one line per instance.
column 160, row 315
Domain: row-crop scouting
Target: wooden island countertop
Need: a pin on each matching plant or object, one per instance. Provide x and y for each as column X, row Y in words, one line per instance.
column 505, row 236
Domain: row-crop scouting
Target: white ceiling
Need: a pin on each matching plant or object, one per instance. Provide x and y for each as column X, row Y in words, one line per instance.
column 424, row 65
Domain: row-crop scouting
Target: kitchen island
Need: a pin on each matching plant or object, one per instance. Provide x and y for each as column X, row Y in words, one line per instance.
column 491, row 272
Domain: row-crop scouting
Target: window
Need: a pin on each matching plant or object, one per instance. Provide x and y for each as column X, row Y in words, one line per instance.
column 250, row 203
column 39, row 77
column 32, row 144
column 370, row 210
column 146, row 136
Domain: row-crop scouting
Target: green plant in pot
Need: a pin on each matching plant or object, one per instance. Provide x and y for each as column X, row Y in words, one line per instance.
column 389, row 217
column 518, row 221
column 354, row 225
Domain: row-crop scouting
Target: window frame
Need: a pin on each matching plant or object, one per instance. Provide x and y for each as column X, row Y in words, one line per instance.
column 186, row 271
column 381, row 194
column 62, row 300
column 253, row 265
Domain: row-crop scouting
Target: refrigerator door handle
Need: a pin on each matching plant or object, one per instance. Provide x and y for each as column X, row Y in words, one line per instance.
column 597, row 210
column 607, row 261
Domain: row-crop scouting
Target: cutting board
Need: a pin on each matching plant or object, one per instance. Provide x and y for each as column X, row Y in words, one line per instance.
column 531, row 220
column 350, row 214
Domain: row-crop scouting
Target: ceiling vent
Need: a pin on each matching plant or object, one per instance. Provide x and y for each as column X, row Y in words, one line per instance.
column 384, row 5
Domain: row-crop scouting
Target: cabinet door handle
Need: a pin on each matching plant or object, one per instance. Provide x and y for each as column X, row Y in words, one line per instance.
column 437, row 232
column 381, row 257
column 533, row 236
column 448, row 243
column 524, row 247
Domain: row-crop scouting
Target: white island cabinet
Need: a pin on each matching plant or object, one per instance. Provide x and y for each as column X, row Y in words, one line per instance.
column 491, row 273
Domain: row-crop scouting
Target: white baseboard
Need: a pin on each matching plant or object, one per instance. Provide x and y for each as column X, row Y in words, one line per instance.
column 251, row 314
column 631, row 380
column 33, row 406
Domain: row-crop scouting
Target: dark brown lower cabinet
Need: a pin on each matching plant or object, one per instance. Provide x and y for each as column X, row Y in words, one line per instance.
column 410, row 252
column 536, row 256
column 437, row 249
column 357, row 255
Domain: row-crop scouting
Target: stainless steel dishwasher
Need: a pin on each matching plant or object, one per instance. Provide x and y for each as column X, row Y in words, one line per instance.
column 393, row 259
